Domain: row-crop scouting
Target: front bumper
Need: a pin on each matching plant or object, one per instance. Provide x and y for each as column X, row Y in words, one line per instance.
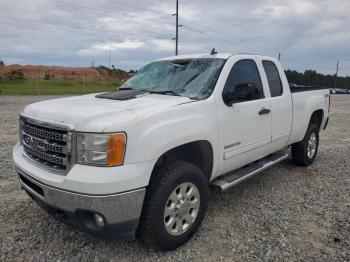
column 121, row 212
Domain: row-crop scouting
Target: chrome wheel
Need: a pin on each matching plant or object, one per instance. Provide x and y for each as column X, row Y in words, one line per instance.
column 311, row 147
column 181, row 208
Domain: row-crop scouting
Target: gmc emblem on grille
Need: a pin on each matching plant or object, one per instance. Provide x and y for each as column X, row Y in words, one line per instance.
column 34, row 143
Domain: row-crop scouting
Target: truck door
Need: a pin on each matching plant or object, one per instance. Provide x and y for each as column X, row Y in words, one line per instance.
column 281, row 106
column 244, row 116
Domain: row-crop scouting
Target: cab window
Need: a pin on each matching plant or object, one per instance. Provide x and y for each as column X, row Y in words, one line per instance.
column 273, row 78
column 243, row 83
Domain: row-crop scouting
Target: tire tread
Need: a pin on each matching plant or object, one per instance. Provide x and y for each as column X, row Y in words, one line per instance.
column 299, row 154
column 159, row 179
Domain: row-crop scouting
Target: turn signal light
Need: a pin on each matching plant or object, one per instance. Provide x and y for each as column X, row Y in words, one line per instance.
column 116, row 149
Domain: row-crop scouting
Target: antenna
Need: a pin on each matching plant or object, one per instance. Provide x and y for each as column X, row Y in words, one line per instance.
column 213, row 52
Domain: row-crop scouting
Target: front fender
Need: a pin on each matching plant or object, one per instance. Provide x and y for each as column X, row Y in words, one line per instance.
column 160, row 132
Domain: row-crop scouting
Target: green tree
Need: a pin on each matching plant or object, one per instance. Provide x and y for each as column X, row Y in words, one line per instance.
column 48, row 75
column 15, row 75
column 312, row 78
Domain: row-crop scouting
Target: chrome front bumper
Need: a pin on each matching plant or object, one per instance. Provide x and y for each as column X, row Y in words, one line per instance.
column 120, row 211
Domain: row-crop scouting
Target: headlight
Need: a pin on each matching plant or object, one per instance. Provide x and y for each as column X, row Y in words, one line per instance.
column 101, row 149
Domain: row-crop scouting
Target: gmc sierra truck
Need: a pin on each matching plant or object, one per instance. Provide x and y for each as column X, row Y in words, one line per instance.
column 138, row 161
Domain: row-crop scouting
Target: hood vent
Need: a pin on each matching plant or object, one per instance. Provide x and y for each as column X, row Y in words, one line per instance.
column 122, row 94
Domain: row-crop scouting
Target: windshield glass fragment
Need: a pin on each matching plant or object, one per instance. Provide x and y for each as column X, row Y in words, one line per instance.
column 193, row 78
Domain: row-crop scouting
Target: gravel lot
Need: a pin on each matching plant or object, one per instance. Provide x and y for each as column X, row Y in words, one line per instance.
column 288, row 213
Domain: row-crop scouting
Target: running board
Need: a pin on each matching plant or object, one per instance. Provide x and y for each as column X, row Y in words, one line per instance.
column 237, row 176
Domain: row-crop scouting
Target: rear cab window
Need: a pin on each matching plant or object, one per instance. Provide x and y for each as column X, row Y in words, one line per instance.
column 273, row 78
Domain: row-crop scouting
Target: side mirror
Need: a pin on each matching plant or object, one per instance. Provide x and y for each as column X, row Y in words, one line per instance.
column 242, row 92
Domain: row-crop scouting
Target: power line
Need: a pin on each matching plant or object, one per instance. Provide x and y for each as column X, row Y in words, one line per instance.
column 135, row 6
column 28, row 23
column 256, row 48
column 89, row 29
column 220, row 35
column 188, row 27
column 101, row 11
column 191, row 28
column 250, row 46
column 65, row 4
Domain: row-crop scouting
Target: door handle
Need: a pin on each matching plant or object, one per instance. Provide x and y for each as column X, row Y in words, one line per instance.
column 264, row 111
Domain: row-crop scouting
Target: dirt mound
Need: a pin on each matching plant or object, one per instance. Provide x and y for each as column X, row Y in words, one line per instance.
column 60, row 72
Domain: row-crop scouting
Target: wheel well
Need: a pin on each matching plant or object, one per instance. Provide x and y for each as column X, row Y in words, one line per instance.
column 198, row 153
column 316, row 118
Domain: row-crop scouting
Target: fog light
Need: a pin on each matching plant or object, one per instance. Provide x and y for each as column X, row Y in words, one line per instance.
column 99, row 221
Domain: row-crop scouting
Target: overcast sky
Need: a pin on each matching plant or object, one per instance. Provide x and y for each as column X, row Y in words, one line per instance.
column 309, row 34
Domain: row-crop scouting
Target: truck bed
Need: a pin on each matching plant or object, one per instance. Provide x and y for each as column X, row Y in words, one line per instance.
column 305, row 101
column 299, row 88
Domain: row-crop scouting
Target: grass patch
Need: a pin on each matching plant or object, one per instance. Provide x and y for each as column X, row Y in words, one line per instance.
column 57, row 87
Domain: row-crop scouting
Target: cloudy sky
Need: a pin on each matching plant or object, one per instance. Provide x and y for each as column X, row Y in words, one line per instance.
column 309, row 34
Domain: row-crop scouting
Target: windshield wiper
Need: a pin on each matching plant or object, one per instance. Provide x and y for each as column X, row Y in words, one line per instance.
column 163, row 92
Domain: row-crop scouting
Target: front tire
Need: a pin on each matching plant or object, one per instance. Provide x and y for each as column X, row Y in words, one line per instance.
column 175, row 205
column 305, row 151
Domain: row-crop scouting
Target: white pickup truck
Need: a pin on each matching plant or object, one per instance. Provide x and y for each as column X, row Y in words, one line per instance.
column 138, row 161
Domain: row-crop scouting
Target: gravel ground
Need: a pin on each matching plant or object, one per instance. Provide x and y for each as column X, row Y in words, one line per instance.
column 287, row 213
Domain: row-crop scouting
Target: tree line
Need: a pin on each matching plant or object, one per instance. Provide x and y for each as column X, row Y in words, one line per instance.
column 308, row 78
column 312, row 78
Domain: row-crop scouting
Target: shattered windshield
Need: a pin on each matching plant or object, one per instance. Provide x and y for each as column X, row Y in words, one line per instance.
column 193, row 78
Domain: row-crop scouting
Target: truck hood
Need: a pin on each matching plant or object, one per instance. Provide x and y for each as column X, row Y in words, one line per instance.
column 90, row 114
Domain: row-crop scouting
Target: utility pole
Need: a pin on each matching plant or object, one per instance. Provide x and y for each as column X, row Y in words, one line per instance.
column 109, row 55
column 177, row 28
column 84, row 81
column 109, row 62
column 37, row 83
column 279, row 56
column 336, row 76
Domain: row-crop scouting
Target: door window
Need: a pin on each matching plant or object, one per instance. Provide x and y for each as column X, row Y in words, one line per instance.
column 273, row 78
column 243, row 83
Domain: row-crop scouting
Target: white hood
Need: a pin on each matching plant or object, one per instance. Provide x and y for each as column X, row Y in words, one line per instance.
column 91, row 114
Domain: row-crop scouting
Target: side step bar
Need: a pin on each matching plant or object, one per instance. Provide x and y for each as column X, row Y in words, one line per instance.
column 237, row 176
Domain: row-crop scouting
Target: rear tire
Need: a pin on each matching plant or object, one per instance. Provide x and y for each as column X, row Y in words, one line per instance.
column 164, row 195
column 305, row 151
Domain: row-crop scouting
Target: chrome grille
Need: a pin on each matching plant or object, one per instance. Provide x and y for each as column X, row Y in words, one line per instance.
column 46, row 145
column 44, row 157
column 43, row 133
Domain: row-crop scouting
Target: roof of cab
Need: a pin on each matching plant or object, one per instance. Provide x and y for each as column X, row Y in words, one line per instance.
column 218, row 55
column 192, row 56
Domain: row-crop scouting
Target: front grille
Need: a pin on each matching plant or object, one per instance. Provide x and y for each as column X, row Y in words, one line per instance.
column 45, row 157
column 44, row 133
column 46, row 145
